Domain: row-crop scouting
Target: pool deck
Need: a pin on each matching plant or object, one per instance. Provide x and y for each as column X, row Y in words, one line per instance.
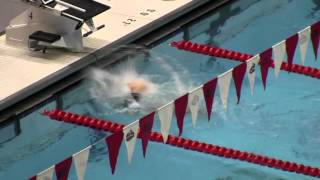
column 23, row 72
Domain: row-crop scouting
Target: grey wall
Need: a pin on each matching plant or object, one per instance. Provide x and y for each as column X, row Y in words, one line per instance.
column 8, row 10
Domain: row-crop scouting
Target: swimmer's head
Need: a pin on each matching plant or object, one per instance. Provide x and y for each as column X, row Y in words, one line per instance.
column 137, row 87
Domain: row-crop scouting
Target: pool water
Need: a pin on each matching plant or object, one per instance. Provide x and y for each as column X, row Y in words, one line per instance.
column 282, row 121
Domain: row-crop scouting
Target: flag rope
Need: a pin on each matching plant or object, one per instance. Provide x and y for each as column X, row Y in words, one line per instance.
column 188, row 144
column 242, row 57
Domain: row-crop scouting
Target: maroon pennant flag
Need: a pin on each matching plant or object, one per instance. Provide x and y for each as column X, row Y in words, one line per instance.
column 33, row 178
column 145, row 125
column 209, row 89
column 291, row 44
column 114, row 143
column 315, row 35
column 180, row 109
column 265, row 62
column 62, row 169
column 238, row 76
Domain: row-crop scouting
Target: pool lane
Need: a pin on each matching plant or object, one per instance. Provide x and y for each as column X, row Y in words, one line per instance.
column 280, row 122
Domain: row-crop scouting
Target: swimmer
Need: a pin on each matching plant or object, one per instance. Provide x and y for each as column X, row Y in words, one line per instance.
column 125, row 90
column 137, row 87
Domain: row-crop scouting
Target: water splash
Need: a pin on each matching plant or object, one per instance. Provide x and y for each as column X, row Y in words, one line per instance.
column 174, row 75
column 110, row 87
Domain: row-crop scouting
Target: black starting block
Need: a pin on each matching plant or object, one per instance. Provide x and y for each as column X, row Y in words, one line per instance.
column 40, row 36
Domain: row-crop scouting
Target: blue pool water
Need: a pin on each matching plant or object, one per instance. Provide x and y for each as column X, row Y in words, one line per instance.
column 282, row 121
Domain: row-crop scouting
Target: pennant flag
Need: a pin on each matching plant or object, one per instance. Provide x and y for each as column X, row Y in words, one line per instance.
column 224, row 86
column 291, row 44
column 63, row 168
column 279, row 53
column 80, row 161
column 304, row 38
column 251, row 70
column 315, row 33
column 130, row 134
column 114, row 143
column 33, row 178
column 146, row 124
column 165, row 116
column 209, row 89
column 265, row 62
column 238, row 75
column 46, row 174
column 193, row 103
column 181, row 107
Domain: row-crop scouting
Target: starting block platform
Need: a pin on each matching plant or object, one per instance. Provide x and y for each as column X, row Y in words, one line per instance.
column 24, row 72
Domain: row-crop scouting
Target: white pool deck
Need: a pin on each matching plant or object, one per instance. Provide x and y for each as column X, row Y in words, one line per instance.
column 23, row 72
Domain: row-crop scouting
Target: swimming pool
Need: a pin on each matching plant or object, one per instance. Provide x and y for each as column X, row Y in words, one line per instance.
column 280, row 122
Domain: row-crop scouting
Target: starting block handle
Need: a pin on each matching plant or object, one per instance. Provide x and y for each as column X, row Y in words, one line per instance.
column 90, row 32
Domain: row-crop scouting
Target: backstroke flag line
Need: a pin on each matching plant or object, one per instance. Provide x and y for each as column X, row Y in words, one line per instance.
column 315, row 35
column 46, row 174
column 252, row 65
column 209, row 89
column 80, row 161
column 165, row 115
column 145, row 125
column 279, row 52
column 304, row 38
column 291, row 44
column 238, row 74
column 180, row 106
column 114, row 143
column 63, row 168
column 130, row 134
column 265, row 63
column 224, row 86
column 193, row 103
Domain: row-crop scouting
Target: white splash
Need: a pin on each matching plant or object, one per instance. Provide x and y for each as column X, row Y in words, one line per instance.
column 111, row 88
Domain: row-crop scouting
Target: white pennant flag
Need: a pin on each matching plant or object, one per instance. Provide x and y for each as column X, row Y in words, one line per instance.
column 252, row 65
column 80, row 160
column 193, row 103
column 279, row 51
column 165, row 116
column 304, row 38
column 46, row 174
column 224, row 86
column 130, row 133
